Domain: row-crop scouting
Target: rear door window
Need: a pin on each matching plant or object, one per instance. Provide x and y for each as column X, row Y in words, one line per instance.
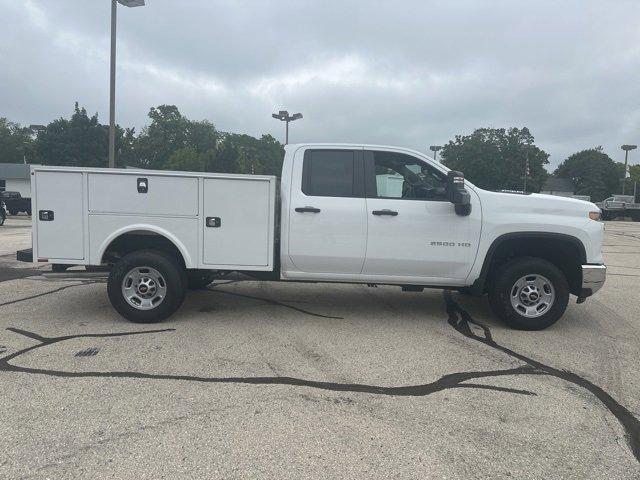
column 333, row 173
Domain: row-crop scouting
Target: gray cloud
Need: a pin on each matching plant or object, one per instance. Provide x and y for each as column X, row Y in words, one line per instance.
column 411, row 73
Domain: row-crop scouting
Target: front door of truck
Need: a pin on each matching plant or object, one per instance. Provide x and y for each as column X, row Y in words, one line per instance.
column 412, row 229
column 327, row 212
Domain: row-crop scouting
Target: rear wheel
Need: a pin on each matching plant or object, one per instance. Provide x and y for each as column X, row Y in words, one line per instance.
column 529, row 293
column 147, row 286
column 13, row 212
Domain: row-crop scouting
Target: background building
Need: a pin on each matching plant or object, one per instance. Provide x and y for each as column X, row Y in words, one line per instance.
column 14, row 177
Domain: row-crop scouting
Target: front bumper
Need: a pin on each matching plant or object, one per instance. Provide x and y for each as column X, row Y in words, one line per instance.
column 593, row 277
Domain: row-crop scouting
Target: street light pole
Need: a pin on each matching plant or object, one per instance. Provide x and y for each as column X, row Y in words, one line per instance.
column 434, row 149
column 112, row 79
column 284, row 116
column 526, row 171
column 112, row 88
column 626, row 149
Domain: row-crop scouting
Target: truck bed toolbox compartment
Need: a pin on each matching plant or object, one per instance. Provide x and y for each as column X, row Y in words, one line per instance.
column 142, row 194
column 238, row 222
column 59, row 215
column 216, row 221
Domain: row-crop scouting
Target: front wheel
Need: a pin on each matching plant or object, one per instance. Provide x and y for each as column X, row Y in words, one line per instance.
column 146, row 286
column 529, row 293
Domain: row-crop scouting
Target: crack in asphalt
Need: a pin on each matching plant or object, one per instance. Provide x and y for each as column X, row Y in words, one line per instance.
column 458, row 318
column 453, row 380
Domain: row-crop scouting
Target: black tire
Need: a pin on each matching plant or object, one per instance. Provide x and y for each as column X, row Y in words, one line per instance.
column 13, row 213
column 503, row 284
column 173, row 277
column 2, row 217
column 29, row 211
column 199, row 279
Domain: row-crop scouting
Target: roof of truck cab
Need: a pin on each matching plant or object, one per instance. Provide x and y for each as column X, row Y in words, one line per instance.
column 365, row 146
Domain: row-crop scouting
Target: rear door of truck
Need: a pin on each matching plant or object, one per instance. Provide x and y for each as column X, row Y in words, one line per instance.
column 327, row 213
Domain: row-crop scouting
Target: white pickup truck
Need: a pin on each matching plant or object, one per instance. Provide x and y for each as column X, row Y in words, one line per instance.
column 339, row 213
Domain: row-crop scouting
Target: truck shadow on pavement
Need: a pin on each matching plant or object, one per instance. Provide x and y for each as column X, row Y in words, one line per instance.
column 458, row 318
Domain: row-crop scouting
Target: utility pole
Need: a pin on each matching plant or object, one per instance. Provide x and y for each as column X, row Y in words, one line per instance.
column 434, row 149
column 284, row 116
column 626, row 149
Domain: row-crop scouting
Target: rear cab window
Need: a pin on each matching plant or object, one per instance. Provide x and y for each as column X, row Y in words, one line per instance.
column 333, row 173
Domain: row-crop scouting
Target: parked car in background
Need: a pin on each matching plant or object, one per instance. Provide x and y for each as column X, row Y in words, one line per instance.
column 620, row 206
column 16, row 203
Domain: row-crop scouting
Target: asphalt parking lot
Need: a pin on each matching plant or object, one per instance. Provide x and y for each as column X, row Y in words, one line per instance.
column 271, row 380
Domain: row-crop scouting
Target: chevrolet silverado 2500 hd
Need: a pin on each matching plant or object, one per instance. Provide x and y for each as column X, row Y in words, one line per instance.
column 344, row 213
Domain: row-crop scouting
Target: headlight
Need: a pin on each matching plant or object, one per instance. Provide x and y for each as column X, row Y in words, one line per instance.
column 594, row 215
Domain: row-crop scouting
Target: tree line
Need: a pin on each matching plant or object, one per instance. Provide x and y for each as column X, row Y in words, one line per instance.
column 170, row 141
column 491, row 158
column 496, row 159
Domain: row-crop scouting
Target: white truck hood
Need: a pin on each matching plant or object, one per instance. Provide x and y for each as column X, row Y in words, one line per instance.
column 537, row 203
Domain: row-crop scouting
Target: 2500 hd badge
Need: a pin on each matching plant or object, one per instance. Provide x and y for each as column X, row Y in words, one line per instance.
column 450, row 244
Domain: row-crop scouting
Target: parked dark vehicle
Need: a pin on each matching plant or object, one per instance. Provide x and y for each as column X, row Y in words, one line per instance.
column 15, row 203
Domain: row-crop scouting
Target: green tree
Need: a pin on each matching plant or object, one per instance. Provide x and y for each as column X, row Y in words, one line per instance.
column 226, row 160
column 239, row 153
column 80, row 141
column 170, row 132
column 494, row 158
column 593, row 173
column 188, row 159
column 15, row 143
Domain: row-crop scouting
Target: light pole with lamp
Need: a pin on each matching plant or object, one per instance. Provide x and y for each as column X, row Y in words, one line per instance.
column 626, row 149
column 284, row 116
column 434, row 149
column 112, row 86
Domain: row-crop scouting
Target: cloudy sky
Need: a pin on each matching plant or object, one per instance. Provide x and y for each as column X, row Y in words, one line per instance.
column 411, row 73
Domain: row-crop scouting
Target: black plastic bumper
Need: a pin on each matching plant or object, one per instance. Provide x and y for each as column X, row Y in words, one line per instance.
column 25, row 255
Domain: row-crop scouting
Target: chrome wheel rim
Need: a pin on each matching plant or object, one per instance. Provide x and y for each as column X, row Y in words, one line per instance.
column 144, row 288
column 532, row 295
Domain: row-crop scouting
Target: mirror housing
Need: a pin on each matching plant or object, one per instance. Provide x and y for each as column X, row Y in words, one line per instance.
column 457, row 194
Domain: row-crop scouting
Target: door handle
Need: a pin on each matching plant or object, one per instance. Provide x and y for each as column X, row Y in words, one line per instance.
column 386, row 211
column 213, row 222
column 45, row 215
column 307, row 209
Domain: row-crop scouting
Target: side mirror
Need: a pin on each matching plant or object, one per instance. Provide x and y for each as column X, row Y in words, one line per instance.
column 457, row 194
